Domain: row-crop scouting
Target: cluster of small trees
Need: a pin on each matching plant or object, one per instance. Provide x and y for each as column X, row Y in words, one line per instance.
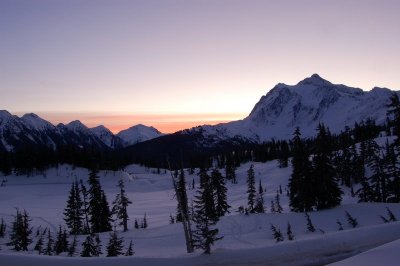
column 313, row 183
column 21, row 238
column 88, row 211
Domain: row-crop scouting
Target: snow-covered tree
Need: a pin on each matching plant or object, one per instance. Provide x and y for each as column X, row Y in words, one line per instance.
column 115, row 245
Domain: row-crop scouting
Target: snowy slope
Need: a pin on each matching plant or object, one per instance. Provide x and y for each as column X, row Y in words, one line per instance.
column 387, row 255
column 305, row 105
column 138, row 133
column 247, row 239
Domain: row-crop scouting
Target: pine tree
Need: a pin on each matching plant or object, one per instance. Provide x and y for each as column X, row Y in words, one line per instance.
column 276, row 233
column 204, row 217
column 351, row 220
column 144, row 221
column 49, row 247
column 289, row 232
column 220, row 193
column 73, row 215
column 392, row 218
column 259, row 207
column 300, row 195
column 72, row 248
column 88, row 247
column 120, row 205
column 377, row 181
column 180, row 192
column 98, row 251
column 327, row 192
column 21, row 231
column 230, row 173
column 115, row 245
column 39, row 245
column 3, row 227
column 278, row 207
column 100, row 215
column 251, row 189
column 58, row 246
column 129, row 251
column 85, row 206
column 273, row 210
column 310, row 226
column 136, row 224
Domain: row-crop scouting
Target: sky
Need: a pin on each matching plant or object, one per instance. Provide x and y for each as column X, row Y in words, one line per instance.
column 173, row 64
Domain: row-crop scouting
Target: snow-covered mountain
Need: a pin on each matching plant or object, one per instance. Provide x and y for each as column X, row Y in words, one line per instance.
column 31, row 131
column 107, row 137
column 312, row 101
column 138, row 133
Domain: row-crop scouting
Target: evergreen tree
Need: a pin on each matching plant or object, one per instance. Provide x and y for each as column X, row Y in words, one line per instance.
column 39, row 245
column 115, row 245
column 230, row 173
column 73, row 215
column 85, row 206
column 49, row 247
column 259, row 206
column 327, row 192
column 289, row 232
column 204, row 216
column 21, row 231
column 120, row 205
column 3, row 227
column 278, row 207
column 129, row 251
column 136, row 224
column 351, row 220
column 181, row 189
column 377, row 181
column 61, row 243
column 251, row 189
column 97, row 240
column 301, row 197
column 392, row 218
column 144, row 221
column 100, row 215
column 89, row 247
column 72, row 248
column 276, row 233
column 220, row 193
column 310, row 226
column 273, row 210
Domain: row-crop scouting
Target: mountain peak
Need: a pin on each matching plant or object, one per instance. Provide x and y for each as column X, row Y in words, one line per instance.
column 76, row 125
column 4, row 114
column 315, row 79
column 36, row 122
column 138, row 133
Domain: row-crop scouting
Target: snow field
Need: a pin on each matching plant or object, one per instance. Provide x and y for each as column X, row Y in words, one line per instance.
column 247, row 239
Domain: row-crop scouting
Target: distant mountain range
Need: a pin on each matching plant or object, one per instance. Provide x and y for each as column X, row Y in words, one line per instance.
column 311, row 101
column 18, row 133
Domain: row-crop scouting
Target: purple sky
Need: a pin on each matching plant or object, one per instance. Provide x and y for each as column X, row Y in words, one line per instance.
column 200, row 60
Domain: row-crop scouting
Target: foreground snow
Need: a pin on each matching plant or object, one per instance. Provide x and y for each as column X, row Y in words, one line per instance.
column 387, row 255
column 247, row 239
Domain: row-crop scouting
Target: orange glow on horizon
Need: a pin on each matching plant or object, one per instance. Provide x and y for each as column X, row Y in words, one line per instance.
column 165, row 123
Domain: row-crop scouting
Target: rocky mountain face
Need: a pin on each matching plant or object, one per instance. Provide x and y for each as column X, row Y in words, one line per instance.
column 304, row 105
